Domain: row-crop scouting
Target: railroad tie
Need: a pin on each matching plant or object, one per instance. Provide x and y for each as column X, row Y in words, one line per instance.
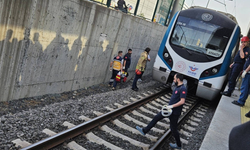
column 165, row 99
column 198, row 115
column 204, row 110
column 84, row 118
column 149, row 119
column 184, row 141
column 74, row 146
column 93, row 138
column 150, row 92
column 200, row 112
column 98, row 113
column 152, row 107
column 192, row 123
column 152, row 113
column 127, row 117
column 195, row 119
column 185, row 133
column 156, row 104
column 145, row 94
column 161, row 101
column 133, row 99
column 49, row 132
column 126, row 102
column 68, row 124
column 118, row 105
column 130, row 140
column 133, row 130
column 140, row 97
column 189, row 128
column 21, row 143
column 109, row 108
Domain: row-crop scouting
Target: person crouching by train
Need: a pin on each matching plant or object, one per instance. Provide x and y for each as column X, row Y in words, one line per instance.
column 237, row 65
column 245, row 89
column 140, row 67
column 176, row 103
column 117, row 67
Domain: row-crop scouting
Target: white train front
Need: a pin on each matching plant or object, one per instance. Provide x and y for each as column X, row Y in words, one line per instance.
column 199, row 44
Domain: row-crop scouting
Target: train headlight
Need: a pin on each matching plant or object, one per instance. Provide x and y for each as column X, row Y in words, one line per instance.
column 214, row 70
column 166, row 54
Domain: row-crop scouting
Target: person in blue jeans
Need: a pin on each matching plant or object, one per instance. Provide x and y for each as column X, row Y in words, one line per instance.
column 245, row 84
column 237, row 65
column 176, row 103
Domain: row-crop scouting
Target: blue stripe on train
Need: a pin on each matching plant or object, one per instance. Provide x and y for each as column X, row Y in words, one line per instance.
column 226, row 62
column 163, row 43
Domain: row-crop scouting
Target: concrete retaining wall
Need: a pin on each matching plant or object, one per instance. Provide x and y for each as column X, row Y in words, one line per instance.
column 53, row 46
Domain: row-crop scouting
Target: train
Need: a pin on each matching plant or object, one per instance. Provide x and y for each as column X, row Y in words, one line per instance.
column 200, row 44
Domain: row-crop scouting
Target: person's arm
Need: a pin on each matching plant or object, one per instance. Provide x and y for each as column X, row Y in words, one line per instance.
column 124, row 63
column 242, row 55
column 125, row 4
column 181, row 102
column 111, row 63
column 231, row 65
column 121, row 67
column 149, row 58
column 245, row 72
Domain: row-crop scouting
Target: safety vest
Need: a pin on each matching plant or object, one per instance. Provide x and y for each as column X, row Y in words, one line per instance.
column 117, row 63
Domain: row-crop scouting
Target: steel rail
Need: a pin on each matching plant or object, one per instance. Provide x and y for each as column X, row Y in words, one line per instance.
column 61, row 137
column 168, row 132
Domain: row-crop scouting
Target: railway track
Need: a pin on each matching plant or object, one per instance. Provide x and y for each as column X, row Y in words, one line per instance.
column 116, row 129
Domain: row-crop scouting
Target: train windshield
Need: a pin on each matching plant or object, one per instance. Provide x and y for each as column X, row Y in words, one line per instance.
column 197, row 36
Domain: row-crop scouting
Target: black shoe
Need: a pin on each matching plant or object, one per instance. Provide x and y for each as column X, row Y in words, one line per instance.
column 237, row 103
column 226, row 94
column 134, row 89
column 247, row 114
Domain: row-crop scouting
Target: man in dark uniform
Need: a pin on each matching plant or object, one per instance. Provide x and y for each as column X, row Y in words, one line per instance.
column 237, row 65
column 176, row 103
column 239, row 137
column 245, row 89
column 127, row 60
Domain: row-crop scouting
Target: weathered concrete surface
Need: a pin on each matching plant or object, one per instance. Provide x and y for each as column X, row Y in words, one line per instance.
column 51, row 46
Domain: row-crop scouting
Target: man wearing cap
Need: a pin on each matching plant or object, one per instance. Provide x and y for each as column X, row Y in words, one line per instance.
column 237, row 65
column 176, row 103
column 245, row 84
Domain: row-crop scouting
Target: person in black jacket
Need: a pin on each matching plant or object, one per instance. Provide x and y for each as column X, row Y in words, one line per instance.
column 237, row 65
column 239, row 137
column 120, row 4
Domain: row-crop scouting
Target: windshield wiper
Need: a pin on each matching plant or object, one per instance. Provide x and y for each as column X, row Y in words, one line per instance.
column 189, row 52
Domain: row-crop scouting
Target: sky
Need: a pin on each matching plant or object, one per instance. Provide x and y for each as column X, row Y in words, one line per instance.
column 238, row 8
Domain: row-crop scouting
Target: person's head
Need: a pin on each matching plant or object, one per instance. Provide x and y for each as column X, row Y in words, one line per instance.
column 120, row 53
column 130, row 51
column 244, row 40
column 178, row 78
column 147, row 50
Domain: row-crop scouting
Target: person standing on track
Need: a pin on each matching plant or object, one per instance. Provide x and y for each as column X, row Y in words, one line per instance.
column 237, row 65
column 176, row 103
column 117, row 67
column 127, row 60
column 140, row 67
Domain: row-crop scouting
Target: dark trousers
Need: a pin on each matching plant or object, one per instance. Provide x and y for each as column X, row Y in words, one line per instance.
column 112, row 79
column 234, row 73
column 173, row 126
column 134, row 85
